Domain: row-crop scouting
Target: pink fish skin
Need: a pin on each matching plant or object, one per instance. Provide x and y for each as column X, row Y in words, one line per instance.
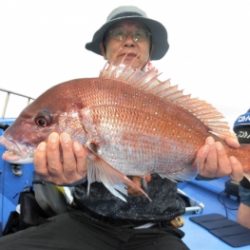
column 132, row 123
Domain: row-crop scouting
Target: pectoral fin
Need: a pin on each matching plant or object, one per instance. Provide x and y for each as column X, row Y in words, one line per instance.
column 115, row 181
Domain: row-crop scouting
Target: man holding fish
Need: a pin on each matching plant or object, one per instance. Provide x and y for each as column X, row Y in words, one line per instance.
column 102, row 218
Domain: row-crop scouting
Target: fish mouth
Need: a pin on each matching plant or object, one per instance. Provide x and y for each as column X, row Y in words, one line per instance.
column 16, row 152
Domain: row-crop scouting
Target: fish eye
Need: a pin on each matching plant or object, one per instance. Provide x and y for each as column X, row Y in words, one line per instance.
column 43, row 119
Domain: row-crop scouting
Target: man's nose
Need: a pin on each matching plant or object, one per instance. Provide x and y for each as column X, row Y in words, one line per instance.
column 129, row 41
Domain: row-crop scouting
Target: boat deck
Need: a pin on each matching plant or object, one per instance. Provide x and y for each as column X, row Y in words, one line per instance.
column 211, row 194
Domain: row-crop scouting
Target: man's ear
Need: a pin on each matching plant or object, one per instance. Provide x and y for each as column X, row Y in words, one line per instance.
column 103, row 50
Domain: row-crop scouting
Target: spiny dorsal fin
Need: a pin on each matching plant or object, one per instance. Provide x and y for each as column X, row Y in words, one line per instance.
column 148, row 81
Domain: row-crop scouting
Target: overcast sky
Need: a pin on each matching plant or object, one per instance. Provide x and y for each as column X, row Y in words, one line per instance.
column 42, row 44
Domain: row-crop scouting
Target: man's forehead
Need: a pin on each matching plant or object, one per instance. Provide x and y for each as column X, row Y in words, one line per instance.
column 128, row 24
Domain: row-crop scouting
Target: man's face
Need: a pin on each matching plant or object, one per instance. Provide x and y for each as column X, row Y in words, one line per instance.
column 128, row 42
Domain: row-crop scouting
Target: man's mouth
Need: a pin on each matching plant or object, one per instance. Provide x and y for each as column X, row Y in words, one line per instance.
column 128, row 55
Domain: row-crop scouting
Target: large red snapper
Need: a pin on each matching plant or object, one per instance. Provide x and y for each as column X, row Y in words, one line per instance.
column 132, row 124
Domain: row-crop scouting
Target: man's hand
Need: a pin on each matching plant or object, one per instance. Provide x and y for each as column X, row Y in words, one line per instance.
column 212, row 160
column 60, row 160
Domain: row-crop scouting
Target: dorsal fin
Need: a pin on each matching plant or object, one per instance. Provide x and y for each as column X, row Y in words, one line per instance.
column 148, row 81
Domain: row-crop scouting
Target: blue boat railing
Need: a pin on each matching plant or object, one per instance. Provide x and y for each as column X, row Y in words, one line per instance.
column 13, row 178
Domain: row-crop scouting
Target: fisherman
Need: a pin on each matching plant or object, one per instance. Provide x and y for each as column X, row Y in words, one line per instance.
column 242, row 129
column 100, row 220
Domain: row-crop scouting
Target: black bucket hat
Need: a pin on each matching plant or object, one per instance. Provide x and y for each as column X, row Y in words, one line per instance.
column 158, row 32
column 242, row 127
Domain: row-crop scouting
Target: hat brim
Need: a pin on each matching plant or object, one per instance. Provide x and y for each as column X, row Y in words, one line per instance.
column 158, row 35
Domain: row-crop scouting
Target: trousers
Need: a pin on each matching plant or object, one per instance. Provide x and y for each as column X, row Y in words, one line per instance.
column 75, row 230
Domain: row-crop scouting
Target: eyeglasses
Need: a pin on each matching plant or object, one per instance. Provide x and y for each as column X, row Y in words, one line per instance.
column 137, row 35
